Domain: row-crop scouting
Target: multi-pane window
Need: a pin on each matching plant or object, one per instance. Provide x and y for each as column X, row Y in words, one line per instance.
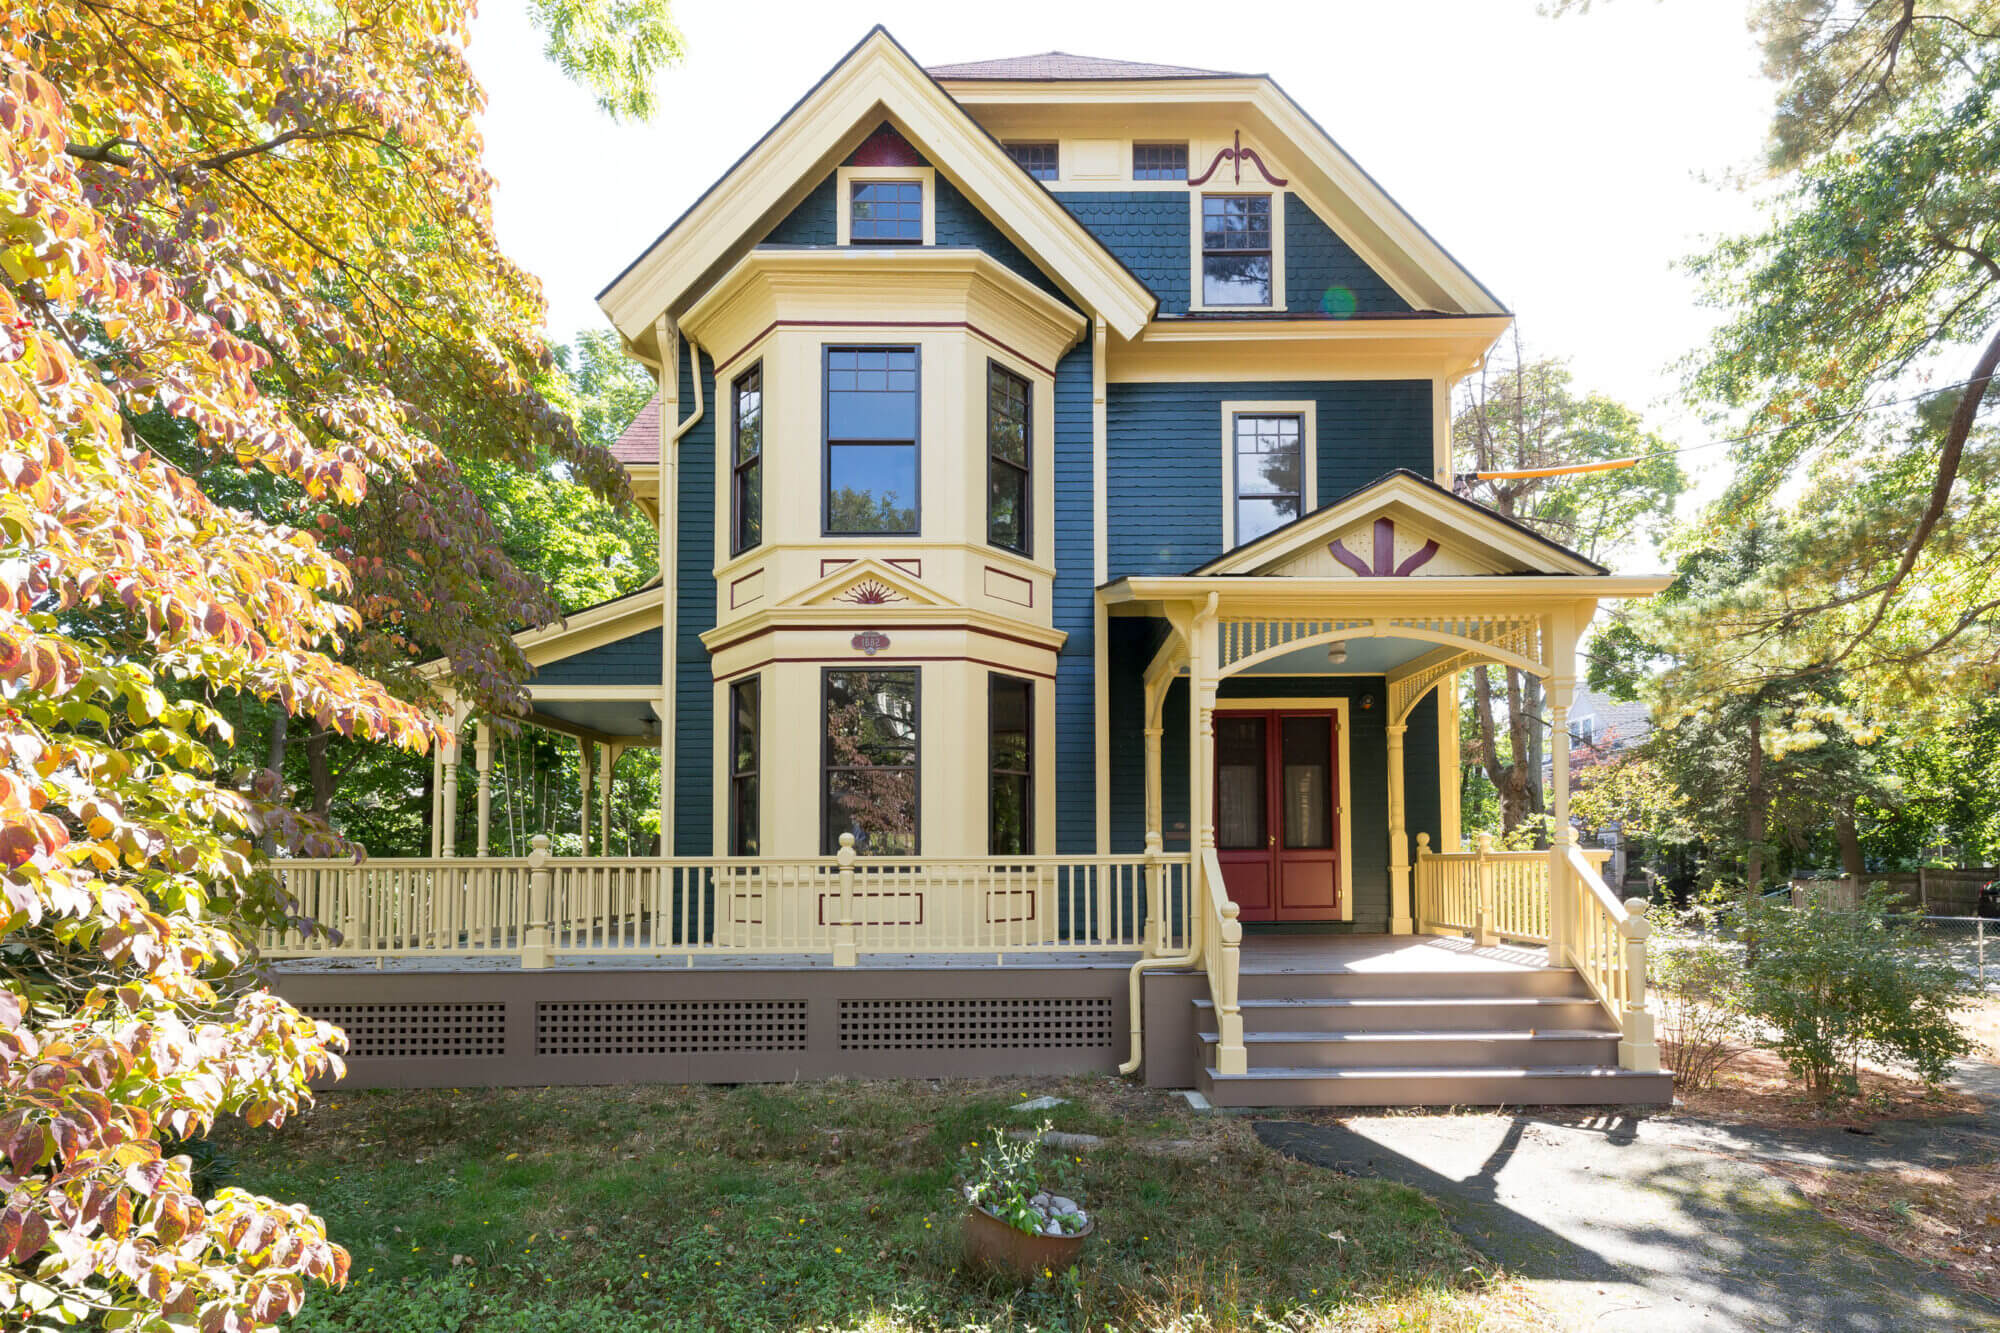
column 744, row 717
column 746, row 487
column 887, row 213
column 1010, row 765
column 871, row 440
column 1269, row 458
column 1008, row 453
column 1236, row 249
column 869, row 761
column 1038, row 159
column 1159, row 161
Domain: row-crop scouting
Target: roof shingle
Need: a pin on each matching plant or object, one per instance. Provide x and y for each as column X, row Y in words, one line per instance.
column 640, row 441
column 1063, row 65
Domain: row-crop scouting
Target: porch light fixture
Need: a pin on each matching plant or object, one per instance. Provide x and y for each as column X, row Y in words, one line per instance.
column 1336, row 653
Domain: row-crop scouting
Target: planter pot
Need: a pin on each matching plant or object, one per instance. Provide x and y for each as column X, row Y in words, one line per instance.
column 990, row 1241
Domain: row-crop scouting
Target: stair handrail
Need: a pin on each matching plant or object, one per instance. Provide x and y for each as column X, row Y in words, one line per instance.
column 1224, row 955
column 1156, row 938
column 1607, row 945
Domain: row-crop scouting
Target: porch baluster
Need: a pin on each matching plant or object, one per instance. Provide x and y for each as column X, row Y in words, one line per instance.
column 535, row 945
column 1482, row 921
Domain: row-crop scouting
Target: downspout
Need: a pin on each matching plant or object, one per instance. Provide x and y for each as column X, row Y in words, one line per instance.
column 1195, row 913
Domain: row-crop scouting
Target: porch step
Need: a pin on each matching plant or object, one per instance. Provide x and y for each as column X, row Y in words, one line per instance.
column 1355, row 1051
column 1434, row 1013
column 1343, row 984
column 1427, row 1085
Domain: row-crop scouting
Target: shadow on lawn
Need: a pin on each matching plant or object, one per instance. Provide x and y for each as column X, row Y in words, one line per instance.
column 1619, row 1231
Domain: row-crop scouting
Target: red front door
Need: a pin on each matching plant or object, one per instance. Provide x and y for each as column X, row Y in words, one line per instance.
column 1277, row 804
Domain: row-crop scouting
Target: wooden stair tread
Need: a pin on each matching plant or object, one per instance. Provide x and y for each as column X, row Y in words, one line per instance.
column 1310, row 1072
column 1400, row 1001
column 1497, row 1034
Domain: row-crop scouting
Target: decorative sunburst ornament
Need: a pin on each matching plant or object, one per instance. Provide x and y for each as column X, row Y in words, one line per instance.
column 871, row 592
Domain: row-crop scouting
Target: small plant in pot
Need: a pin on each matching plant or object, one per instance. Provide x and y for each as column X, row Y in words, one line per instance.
column 1014, row 1221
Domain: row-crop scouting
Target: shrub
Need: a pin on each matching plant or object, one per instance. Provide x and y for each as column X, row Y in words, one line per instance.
column 1698, row 982
column 1836, row 985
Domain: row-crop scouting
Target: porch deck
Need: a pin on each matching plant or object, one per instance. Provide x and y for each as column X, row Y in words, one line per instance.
column 1300, row 954
column 329, row 964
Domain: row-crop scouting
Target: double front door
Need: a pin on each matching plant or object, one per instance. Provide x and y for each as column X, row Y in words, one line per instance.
column 1277, row 805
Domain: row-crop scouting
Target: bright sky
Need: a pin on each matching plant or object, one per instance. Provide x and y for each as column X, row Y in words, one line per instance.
column 1568, row 164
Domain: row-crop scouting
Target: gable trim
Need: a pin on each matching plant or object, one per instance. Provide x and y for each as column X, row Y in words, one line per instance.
column 876, row 80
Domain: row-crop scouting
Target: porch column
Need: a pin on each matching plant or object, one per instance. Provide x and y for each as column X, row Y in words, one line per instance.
column 604, row 800
column 448, row 825
column 583, row 755
column 1399, row 838
column 1562, row 885
column 482, row 752
column 1154, row 799
column 437, row 800
column 666, row 795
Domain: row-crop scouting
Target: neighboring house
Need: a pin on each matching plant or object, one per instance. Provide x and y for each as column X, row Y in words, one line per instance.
column 1063, row 574
column 1600, row 729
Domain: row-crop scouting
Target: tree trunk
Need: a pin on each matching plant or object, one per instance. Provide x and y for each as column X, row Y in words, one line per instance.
column 274, row 754
column 1534, row 801
column 1500, row 775
column 1849, row 839
column 1753, row 823
column 319, row 772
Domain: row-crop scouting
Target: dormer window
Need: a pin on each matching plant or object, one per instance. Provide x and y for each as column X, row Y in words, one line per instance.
column 1236, row 250
column 1037, row 159
column 886, row 213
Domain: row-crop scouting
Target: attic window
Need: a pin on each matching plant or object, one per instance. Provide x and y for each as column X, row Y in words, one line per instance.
column 887, row 213
column 1236, row 250
column 1037, row 159
column 1159, row 161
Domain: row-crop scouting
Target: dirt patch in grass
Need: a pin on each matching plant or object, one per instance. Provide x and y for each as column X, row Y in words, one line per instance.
column 830, row 1206
column 1948, row 1219
column 1756, row 1088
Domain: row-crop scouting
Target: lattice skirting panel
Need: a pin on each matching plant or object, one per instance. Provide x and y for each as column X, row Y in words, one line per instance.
column 664, row 1025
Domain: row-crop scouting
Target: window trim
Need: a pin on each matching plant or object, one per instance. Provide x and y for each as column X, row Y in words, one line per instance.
column 1027, row 547
column 754, row 682
column 737, row 546
column 1277, row 198
column 1187, row 160
column 826, row 440
column 1053, row 145
column 1026, row 773
column 846, row 178
column 916, row 673
column 1307, row 410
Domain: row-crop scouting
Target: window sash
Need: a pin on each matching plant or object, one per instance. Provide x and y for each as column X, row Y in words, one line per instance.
column 1010, row 402
column 851, row 376
column 746, row 491
column 885, row 213
column 1010, row 766
column 1039, row 159
column 1235, row 235
column 1256, row 496
column 1159, row 161
column 840, row 774
column 745, row 742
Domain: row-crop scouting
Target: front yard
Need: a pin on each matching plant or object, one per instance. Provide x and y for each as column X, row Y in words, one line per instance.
column 832, row 1206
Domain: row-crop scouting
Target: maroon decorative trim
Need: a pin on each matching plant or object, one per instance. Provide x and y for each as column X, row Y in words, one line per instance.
column 965, row 625
column 722, row 367
column 869, row 642
column 738, row 582
column 1029, row 584
column 886, row 148
column 1010, row 668
column 899, row 893
column 1237, row 156
column 828, row 564
column 871, row 592
column 991, row 904
column 914, row 568
column 1385, row 565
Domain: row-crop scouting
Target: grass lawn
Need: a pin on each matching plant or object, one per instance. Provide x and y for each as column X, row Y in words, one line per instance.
column 831, row 1206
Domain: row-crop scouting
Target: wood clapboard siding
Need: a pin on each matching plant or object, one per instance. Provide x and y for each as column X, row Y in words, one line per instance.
column 634, row 660
column 1165, row 463
column 1073, row 607
column 694, row 732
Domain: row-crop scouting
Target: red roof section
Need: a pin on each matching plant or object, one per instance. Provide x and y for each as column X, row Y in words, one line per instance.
column 640, row 441
column 1063, row 65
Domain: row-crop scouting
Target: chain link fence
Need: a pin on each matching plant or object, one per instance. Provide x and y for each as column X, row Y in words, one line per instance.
column 1965, row 940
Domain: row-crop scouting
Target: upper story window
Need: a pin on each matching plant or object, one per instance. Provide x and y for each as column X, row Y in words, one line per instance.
column 746, row 488
column 886, row 213
column 1269, row 461
column 871, row 440
column 1009, row 454
column 1159, row 161
column 1236, row 249
column 1037, row 159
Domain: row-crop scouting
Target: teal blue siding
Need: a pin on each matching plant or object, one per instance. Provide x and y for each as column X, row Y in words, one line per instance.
column 1420, row 773
column 960, row 223
column 629, row 661
column 1165, row 457
column 1147, row 230
column 694, row 697
column 812, row 222
column 1073, row 606
column 1324, row 275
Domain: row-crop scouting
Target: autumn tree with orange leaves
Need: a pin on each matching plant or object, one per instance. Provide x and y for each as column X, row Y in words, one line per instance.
column 252, row 317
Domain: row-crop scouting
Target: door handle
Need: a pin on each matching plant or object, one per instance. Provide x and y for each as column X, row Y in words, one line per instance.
column 1273, row 840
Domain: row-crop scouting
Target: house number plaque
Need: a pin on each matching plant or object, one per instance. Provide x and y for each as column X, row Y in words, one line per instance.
column 870, row 641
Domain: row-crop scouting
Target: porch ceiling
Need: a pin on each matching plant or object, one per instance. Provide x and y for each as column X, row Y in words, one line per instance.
column 625, row 720
column 1365, row 657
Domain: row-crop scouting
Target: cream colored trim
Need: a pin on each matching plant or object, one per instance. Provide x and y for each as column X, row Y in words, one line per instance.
column 877, row 81
column 593, row 628
column 1451, row 817
column 1343, row 711
column 1441, row 461
column 846, row 178
column 1277, row 197
column 1100, row 649
column 1303, row 408
column 888, row 618
column 1489, row 593
column 591, row 693
column 1178, row 350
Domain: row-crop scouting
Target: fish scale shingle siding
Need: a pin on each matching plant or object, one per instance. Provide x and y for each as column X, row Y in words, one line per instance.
column 1147, row 231
column 1165, row 457
column 1319, row 265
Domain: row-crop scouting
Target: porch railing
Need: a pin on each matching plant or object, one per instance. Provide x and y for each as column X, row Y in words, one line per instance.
column 1606, row 941
column 1487, row 894
column 540, row 907
column 1222, row 937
